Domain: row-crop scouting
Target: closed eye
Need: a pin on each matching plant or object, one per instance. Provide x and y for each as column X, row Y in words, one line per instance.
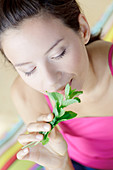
column 31, row 72
column 60, row 56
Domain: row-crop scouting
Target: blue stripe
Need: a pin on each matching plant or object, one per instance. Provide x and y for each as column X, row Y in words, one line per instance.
column 100, row 24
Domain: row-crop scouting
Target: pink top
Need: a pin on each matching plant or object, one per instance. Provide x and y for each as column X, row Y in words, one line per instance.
column 110, row 59
column 90, row 139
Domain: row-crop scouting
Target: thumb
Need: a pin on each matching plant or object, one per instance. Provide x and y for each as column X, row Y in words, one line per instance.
column 57, row 142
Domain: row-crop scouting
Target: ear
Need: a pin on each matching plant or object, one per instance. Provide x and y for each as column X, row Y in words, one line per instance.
column 84, row 28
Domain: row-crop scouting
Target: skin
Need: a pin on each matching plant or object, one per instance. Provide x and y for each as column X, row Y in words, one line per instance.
column 84, row 64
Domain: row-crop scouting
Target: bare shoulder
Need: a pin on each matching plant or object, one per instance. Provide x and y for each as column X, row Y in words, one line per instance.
column 29, row 102
column 99, row 51
column 100, row 48
column 103, row 48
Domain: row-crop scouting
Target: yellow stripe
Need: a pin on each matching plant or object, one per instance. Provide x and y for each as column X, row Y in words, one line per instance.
column 9, row 153
column 21, row 164
column 109, row 35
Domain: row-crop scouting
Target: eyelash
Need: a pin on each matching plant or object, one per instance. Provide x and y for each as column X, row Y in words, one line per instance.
column 57, row 58
column 60, row 56
column 31, row 72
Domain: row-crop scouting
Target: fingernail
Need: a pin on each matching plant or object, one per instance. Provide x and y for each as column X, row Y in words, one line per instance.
column 18, row 157
column 46, row 127
column 25, row 150
column 49, row 117
column 39, row 137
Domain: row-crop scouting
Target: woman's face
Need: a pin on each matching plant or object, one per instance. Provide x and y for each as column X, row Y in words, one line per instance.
column 47, row 54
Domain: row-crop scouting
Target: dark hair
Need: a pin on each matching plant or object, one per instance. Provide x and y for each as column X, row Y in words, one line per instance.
column 13, row 12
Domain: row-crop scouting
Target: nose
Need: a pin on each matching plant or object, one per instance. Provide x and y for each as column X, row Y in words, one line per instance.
column 50, row 76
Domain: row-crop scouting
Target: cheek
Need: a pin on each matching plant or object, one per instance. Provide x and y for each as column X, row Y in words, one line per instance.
column 27, row 79
column 75, row 60
column 78, row 62
column 31, row 81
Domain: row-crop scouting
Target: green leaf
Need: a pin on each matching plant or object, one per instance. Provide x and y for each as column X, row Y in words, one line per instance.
column 75, row 93
column 72, row 91
column 62, row 112
column 68, row 115
column 77, row 99
column 68, row 102
column 56, row 109
column 57, row 97
column 67, row 91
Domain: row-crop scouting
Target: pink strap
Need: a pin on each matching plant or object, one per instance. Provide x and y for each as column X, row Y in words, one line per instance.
column 110, row 59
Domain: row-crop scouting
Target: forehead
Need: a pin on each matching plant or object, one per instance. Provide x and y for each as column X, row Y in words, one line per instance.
column 35, row 28
column 36, row 32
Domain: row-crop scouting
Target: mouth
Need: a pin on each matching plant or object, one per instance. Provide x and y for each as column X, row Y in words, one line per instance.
column 62, row 90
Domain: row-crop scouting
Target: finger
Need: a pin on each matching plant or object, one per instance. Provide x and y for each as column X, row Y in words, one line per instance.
column 22, row 153
column 46, row 117
column 31, row 154
column 25, row 138
column 37, row 127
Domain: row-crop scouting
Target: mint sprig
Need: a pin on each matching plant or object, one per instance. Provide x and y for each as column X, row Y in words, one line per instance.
column 71, row 96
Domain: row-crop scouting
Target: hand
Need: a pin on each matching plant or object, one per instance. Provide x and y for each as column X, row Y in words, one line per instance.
column 53, row 155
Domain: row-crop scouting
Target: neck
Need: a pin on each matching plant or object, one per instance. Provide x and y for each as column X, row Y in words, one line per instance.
column 91, row 80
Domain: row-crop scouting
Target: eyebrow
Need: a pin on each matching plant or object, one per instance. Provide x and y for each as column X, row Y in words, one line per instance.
column 58, row 41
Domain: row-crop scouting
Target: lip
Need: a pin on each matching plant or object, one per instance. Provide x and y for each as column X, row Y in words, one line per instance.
column 63, row 89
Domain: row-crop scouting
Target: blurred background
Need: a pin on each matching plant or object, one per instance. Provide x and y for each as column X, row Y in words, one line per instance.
column 93, row 10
